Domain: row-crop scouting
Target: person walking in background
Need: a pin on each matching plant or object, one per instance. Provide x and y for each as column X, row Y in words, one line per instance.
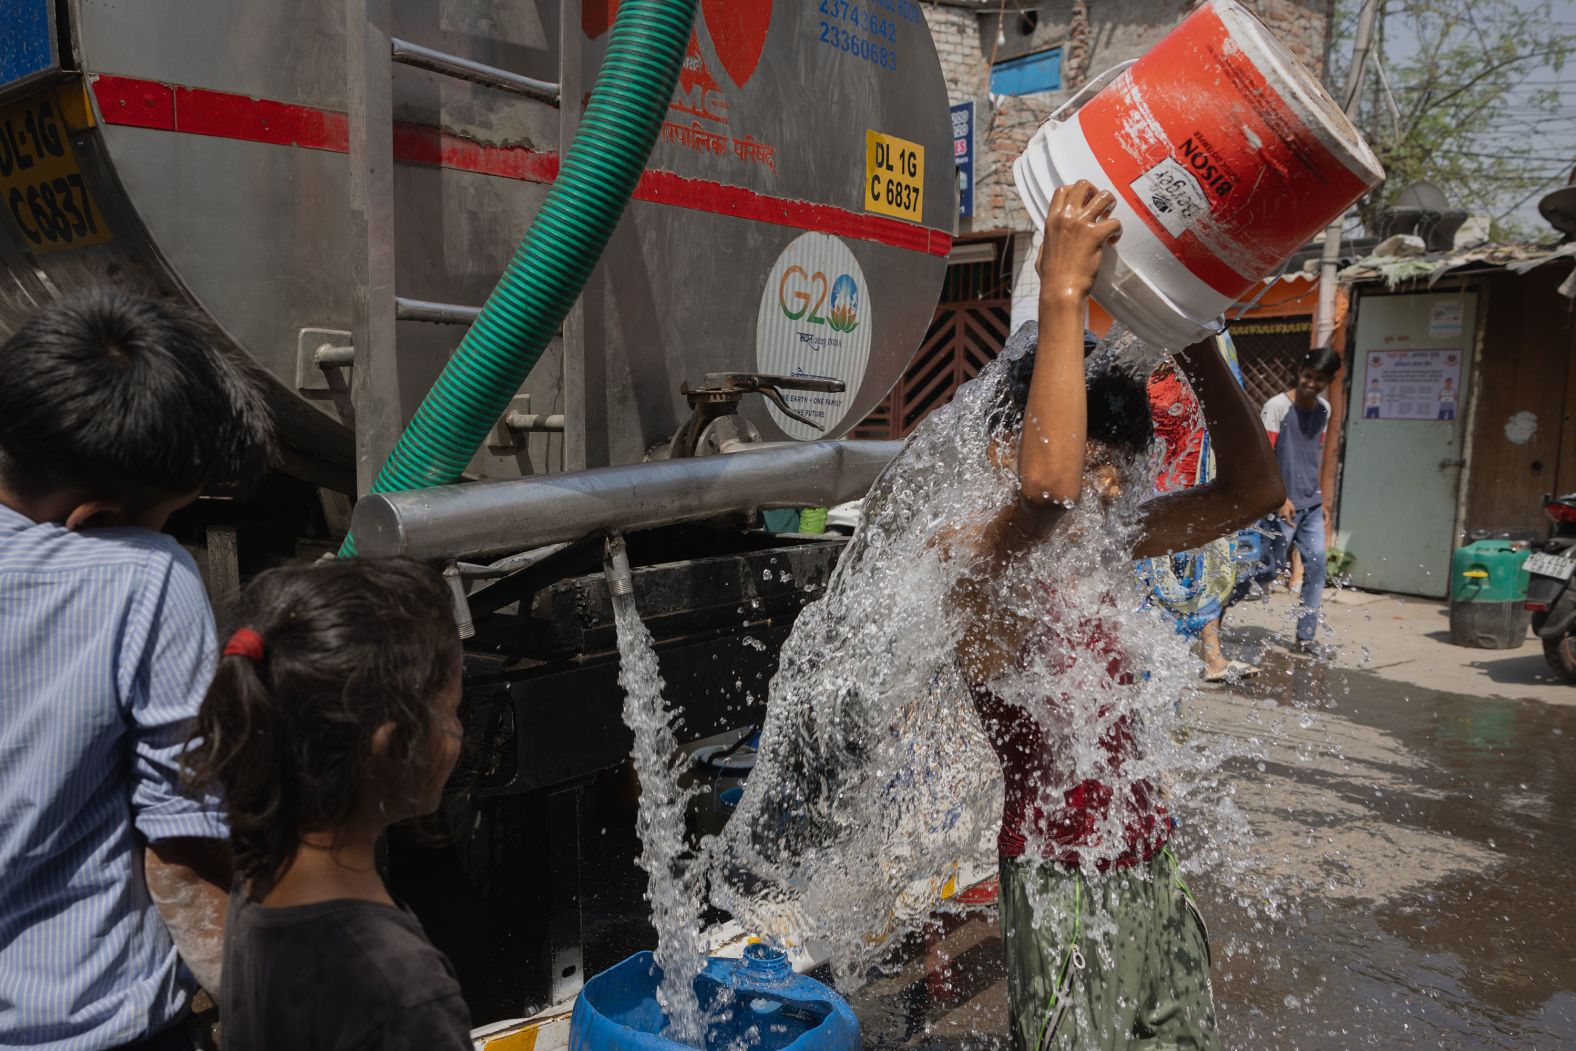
column 333, row 715
column 115, row 411
column 1297, row 421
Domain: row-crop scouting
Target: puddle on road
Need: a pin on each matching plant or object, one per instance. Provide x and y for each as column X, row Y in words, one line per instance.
column 1436, row 854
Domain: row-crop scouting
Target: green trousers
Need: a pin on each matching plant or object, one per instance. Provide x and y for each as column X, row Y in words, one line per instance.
column 1144, row 979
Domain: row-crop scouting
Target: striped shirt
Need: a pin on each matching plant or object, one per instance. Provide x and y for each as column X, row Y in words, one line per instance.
column 106, row 649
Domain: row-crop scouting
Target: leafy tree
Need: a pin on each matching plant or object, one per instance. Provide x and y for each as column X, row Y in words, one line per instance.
column 1466, row 94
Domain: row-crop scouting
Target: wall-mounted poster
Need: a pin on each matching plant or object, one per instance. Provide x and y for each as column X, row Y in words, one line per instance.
column 963, row 155
column 1444, row 319
column 1412, row 384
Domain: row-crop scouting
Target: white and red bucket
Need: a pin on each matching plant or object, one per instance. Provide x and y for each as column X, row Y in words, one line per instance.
column 1225, row 156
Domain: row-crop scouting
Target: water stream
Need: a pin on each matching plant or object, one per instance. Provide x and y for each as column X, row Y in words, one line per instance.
column 670, row 882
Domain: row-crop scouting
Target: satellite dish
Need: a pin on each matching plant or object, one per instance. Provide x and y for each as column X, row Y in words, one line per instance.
column 1559, row 208
column 1422, row 210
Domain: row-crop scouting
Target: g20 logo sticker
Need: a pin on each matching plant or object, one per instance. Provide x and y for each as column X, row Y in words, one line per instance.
column 815, row 321
column 804, row 296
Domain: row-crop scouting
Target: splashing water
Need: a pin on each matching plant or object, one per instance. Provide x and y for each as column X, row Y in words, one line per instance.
column 670, row 887
column 876, row 781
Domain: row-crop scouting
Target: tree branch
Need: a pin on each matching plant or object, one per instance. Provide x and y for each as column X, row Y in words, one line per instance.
column 1496, row 67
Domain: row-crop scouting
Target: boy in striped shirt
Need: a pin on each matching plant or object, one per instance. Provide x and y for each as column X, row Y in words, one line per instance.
column 115, row 412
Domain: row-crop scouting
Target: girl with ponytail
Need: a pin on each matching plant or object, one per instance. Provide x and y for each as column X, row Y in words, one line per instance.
column 332, row 715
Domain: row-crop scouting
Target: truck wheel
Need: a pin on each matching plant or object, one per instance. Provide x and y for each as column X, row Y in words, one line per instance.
column 1561, row 655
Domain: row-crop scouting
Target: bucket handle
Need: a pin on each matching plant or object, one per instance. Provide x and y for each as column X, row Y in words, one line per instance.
column 1269, row 282
column 1094, row 85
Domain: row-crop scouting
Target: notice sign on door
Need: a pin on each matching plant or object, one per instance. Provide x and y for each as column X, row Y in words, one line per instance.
column 1412, row 385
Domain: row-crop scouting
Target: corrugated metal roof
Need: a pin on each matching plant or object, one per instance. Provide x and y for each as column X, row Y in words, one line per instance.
column 1397, row 265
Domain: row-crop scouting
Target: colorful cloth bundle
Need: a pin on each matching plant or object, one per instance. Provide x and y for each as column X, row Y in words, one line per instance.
column 1192, row 586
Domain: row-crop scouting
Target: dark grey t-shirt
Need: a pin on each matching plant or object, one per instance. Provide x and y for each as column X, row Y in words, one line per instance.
column 1298, row 435
column 336, row 976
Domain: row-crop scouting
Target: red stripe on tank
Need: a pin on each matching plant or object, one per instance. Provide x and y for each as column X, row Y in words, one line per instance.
column 423, row 144
column 140, row 103
column 226, row 116
column 137, row 103
column 701, row 195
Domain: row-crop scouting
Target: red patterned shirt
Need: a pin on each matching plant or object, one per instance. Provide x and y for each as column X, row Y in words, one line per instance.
column 1031, row 767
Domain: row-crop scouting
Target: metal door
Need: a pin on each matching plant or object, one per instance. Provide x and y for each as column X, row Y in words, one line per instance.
column 1269, row 350
column 963, row 338
column 1406, row 428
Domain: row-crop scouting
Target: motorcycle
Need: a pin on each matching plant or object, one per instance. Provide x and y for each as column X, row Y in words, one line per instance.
column 1551, row 590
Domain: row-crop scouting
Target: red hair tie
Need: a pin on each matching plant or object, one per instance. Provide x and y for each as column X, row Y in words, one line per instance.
column 245, row 643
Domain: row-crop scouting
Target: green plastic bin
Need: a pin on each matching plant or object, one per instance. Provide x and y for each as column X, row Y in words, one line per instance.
column 1488, row 589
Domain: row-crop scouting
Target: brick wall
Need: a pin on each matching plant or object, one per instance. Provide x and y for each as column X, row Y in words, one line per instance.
column 957, row 36
column 1302, row 25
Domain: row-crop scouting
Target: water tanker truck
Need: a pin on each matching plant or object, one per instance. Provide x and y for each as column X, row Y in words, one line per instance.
column 337, row 186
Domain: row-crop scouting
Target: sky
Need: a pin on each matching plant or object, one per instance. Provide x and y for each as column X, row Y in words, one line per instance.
column 1556, row 147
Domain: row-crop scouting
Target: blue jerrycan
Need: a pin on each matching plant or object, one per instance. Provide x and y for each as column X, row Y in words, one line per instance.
column 768, row 1007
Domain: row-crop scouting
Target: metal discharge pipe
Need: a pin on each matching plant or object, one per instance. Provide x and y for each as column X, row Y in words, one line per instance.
column 489, row 518
column 615, row 563
column 599, row 173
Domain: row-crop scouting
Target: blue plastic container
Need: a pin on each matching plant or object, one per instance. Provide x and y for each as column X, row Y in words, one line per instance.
column 1250, row 546
column 618, row 1009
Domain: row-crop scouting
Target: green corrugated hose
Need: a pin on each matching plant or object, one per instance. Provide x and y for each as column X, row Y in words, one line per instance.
column 525, row 310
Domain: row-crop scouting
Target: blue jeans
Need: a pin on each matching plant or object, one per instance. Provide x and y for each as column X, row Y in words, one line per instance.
column 1306, row 531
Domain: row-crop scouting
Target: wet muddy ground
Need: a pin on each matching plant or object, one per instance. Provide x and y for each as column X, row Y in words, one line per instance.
column 1429, row 838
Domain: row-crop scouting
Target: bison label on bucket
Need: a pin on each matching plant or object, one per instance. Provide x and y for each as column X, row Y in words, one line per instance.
column 1209, row 168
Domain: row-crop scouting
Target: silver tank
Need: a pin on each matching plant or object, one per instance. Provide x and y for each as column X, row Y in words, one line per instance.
column 203, row 150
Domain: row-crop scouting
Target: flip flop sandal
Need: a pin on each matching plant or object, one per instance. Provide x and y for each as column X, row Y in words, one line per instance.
column 1235, row 671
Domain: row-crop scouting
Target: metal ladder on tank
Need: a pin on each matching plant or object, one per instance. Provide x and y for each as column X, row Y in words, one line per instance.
column 377, row 307
column 372, row 51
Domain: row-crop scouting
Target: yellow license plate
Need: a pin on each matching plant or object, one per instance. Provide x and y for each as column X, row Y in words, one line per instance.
column 41, row 187
column 894, row 176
